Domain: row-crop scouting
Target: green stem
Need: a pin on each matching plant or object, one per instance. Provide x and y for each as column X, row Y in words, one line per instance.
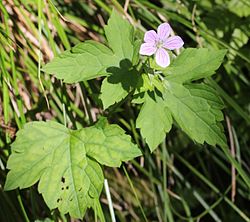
column 164, row 183
column 22, row 207
column 136, row 196
column 166, row 201
column 104, row 6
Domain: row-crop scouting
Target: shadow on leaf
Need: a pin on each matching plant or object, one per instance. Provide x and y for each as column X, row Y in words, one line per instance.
column 125, row 74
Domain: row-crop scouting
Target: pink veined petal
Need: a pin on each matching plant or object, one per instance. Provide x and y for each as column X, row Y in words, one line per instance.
column 162, row 58
column 163, row 31
column 150, row 36
column 147, row 49
column 174, row 42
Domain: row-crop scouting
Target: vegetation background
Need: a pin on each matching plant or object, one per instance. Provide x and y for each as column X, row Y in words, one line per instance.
column 181, row 180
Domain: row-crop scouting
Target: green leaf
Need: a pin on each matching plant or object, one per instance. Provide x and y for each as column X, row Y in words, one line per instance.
column 85, row 61
column 144, row 83
column 154, row 120
column 240, row 8
column 238, row 40
column 193, row 64
column 123, row 78
column 53, row 154
column 89, row 60
column 109, row 145
column 66, row 162
column 197, row 110
column 117, row 86
column 120, row 36
column 195, row 107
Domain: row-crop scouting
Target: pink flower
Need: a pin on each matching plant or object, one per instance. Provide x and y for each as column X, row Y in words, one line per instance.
column 157, row 43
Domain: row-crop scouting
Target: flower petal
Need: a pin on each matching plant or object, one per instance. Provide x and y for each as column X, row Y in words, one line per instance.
column 147, row 49
column 162, row 58
column 174, row 42
column 163, row 31
column 150, row 36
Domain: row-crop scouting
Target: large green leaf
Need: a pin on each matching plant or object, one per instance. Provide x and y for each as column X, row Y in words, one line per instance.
column 193, row 64
column 197, row 110
column 66, row 162
column 154, row 120
column 90, row 59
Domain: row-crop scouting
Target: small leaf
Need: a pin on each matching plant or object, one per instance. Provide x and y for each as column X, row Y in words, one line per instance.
column 138, row 98
column 193, row 64
column 144, row 83
column 65, row 162
column 197, row 110
column 154, row 120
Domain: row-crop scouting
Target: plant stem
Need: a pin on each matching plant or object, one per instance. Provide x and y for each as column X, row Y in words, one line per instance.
column 136, row 196
column 167, row 212
column 22, row 207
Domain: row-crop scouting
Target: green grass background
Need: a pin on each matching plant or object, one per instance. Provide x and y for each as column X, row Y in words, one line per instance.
column 181, row 180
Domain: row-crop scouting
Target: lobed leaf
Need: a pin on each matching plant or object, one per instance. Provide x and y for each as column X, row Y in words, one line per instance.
column 66, row 162
column 123, row 77
column 197, row 110
column 90, row 59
